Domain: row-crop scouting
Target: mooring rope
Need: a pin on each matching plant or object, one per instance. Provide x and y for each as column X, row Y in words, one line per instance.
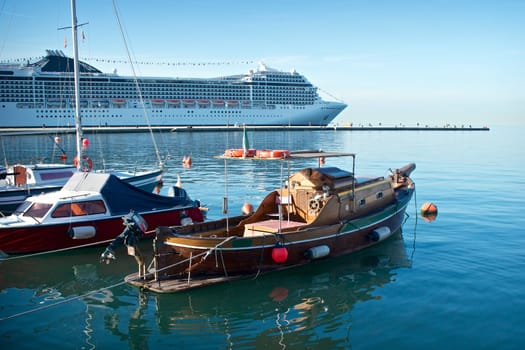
column 9, row 257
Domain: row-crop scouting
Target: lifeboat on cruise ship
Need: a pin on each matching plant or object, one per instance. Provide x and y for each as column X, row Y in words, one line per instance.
column 218, row 102
column 188, row 103
column 173, row 102
column 118, row 100
column 232, row 103
column 239, row 153
column 157, row 102
column 203, row 102
column 272, row 154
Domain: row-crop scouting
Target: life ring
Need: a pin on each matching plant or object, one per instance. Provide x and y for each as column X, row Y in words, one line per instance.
column 280, row 153
column 273, row 154
column 239, row 152
column 85, row 160
column 263, row 153
column 315, row 205
column 235, row 153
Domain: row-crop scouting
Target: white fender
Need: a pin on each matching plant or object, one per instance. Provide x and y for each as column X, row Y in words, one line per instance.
column 317, row 252
column 380, row 233
column 82, row 232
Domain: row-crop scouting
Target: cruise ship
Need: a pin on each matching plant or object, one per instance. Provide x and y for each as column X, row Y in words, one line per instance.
column 41, row 93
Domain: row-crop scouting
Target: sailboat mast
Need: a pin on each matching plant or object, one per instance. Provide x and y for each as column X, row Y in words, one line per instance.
column 78, row 120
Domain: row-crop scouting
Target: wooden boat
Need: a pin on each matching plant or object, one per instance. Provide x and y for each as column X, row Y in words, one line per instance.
column 88, row 211
column 320, row 212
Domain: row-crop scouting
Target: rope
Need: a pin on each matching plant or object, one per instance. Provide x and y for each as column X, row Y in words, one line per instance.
column 54, row 251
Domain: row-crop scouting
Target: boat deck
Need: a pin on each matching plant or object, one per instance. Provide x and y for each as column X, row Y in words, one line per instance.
column 269, row 227
column 177, row 284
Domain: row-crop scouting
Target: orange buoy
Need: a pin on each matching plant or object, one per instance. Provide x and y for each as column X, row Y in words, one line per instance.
column 429, row 211
column 247, row 209
column 186, row 161
column 85, row 160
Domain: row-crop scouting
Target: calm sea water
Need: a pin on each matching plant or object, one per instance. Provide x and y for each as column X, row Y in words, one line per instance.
column 457, row 282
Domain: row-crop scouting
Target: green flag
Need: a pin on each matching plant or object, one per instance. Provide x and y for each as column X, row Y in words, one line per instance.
column 245, row 142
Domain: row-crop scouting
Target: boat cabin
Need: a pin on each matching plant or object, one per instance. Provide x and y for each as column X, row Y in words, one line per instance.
column 41, row 174
column 47, row 207
column 312, row 189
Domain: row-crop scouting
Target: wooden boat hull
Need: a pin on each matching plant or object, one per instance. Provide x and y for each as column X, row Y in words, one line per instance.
column 247, row 256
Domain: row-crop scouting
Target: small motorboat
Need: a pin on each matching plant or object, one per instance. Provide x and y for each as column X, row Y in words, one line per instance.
column 88, row 211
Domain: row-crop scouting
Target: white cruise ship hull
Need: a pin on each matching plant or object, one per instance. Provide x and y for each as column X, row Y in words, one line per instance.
column 315, row 115
column 41, row 93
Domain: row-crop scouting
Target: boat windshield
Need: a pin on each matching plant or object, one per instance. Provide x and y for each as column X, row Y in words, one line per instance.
column 22, row 207
column 37, row 210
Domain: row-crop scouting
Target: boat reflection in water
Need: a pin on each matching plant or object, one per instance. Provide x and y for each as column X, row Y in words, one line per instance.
column 68, row 273
column 308, row 304
column 287, row 308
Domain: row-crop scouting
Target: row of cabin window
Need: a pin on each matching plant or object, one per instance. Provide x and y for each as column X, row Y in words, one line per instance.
column 38, row 210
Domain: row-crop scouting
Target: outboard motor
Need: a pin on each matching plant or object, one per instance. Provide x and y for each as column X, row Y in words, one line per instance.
column 135, row 229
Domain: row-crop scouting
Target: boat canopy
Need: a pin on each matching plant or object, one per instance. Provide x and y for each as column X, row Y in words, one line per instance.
column 333, row 173
column 120, row 196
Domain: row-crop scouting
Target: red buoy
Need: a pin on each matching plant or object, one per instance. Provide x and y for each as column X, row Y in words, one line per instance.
column 57, row 139
column 85, row 143
column 429, row 211
column 279, row 254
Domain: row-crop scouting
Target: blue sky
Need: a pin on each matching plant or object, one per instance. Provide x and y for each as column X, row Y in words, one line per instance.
column 393, row 62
